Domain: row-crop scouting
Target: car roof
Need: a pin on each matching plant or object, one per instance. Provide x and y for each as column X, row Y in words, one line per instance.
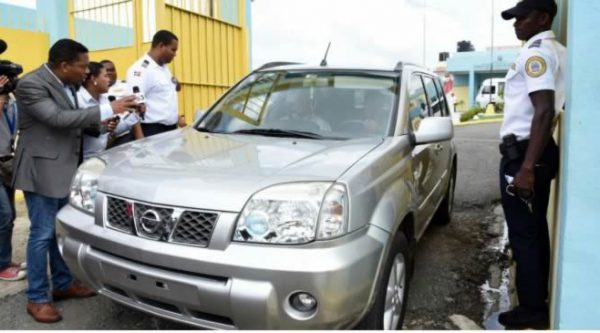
column 288, row 66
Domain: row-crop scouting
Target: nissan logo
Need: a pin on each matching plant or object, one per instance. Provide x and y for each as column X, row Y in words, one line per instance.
column 150, row 221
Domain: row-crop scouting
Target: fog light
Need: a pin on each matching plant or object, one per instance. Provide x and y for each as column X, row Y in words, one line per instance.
column 303, row 302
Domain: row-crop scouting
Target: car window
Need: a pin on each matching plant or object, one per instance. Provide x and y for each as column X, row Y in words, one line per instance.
column 417, row 105
column 331, row 104
column 501, row 88
column 441, row 96
column 435, row 103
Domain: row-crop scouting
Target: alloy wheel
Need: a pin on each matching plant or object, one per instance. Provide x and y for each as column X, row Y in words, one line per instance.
column 394, row 295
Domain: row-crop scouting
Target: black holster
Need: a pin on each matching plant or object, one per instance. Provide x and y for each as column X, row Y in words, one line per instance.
column 513, row 149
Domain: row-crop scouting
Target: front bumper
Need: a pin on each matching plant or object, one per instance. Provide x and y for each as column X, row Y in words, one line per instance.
column 227, row 285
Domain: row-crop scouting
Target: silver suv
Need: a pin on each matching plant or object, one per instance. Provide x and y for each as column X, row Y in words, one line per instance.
column 294, row 202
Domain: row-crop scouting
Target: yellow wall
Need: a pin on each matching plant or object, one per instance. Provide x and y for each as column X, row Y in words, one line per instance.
column 121, row 57
column 27, row 48
column 212, row 56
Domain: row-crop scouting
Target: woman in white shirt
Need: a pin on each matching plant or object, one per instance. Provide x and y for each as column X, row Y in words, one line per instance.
column 96, row 84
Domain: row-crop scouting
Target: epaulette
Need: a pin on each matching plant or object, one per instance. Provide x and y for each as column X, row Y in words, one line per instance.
column 537, row 43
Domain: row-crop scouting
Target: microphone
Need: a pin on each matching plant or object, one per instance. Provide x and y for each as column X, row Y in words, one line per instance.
column 139, row 98
column 111, row 99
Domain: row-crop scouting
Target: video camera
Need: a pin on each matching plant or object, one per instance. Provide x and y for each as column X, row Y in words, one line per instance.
column 10, row 70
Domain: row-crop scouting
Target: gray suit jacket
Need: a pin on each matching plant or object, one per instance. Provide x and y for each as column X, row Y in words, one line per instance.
column 49, row 135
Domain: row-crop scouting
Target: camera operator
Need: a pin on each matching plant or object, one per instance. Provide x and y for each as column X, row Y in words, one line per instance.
column 9, row 71
column 9, row 270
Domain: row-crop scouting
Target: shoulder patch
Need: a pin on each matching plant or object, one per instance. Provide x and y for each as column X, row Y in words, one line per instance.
column 535, row 44
column 145, row 63
column 535, row 66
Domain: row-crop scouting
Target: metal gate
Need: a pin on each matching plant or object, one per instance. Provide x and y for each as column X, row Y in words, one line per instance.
column 213, row 40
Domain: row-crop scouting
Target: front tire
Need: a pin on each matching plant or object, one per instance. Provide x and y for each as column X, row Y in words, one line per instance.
column 389, row 307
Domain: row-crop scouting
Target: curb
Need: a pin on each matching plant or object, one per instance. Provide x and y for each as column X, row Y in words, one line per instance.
column 477, row 122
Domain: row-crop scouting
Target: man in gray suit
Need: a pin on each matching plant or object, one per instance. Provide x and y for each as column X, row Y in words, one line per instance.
column 47, row 155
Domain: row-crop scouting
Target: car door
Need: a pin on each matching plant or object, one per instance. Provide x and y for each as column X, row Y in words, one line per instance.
column 422, row 155
column 441, row 150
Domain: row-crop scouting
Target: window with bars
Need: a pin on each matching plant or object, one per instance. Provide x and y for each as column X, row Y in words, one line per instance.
column 226, row 10
column 104, row 24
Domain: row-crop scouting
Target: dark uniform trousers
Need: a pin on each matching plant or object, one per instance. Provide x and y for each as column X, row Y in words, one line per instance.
column 151, row 129
column 528, row 231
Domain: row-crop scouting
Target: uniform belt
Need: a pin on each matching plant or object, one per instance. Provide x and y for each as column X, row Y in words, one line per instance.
column 519, row 146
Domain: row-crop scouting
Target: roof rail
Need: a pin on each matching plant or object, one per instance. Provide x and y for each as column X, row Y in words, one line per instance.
column 275, row 64
column 401, row 64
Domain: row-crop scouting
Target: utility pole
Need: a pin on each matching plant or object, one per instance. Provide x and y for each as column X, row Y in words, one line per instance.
column 424, row 31
column 492, row 51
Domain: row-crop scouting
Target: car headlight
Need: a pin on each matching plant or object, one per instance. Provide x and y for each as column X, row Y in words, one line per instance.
column 294, row 214
column 85, row 184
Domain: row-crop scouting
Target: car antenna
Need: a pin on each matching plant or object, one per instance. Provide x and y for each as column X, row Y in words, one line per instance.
column 324, row 61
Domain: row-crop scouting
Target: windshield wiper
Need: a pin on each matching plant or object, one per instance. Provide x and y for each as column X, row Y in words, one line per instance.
column 280, row 133
column 206, row 130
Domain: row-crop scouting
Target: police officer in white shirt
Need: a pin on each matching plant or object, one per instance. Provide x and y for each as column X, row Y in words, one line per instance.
column 154, row 79
column 534, row 94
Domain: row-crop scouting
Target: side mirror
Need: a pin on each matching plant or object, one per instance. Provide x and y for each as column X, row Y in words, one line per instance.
column 199, row 114
column 434, row 129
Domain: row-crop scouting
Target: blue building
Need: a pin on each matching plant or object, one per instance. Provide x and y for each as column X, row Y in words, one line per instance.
column 469, row 69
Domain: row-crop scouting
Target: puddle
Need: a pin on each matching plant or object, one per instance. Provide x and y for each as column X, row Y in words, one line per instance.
column 495, row 292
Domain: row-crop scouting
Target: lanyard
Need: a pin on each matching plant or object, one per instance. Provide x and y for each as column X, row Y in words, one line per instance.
column 11, row 121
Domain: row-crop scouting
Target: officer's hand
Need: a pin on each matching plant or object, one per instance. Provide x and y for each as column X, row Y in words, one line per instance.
column 124, row 104
column 182, row 122
column 524, row 182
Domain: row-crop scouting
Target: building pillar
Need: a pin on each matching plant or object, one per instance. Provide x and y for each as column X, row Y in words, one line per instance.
column 472, row 88
column 55, row 18
column 577, row 290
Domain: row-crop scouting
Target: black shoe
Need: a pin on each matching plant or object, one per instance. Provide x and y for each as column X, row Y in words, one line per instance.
column 522, row 317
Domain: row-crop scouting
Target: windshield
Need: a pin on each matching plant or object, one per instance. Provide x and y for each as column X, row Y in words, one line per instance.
column 488, row 90
column 327, row 104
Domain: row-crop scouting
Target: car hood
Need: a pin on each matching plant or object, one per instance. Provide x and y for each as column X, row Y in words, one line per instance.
column 192, row 169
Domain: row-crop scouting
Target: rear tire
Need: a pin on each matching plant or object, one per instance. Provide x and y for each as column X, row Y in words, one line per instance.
column 392, row 293
column 443, row 215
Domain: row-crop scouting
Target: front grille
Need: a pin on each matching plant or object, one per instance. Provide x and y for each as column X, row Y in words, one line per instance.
column 194, row 228
column 161, row 223
column 119, row 215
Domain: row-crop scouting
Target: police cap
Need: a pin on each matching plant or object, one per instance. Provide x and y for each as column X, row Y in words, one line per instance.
column 524, row 7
